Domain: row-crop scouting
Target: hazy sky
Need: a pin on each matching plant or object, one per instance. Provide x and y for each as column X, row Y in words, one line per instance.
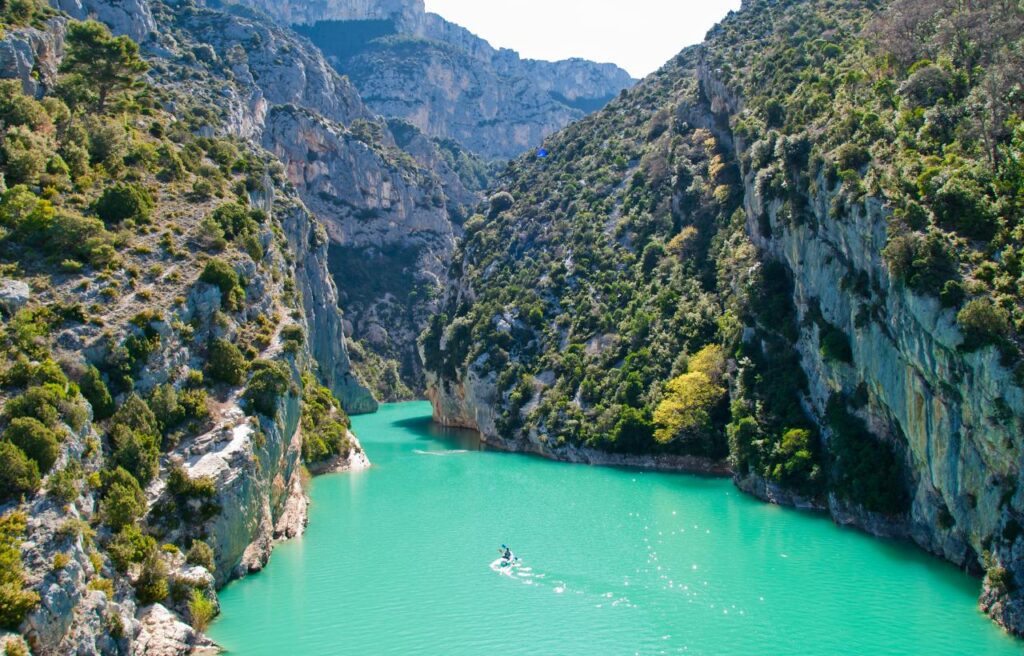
column 638, row 35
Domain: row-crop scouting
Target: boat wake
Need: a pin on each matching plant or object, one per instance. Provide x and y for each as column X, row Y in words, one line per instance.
column 449, row 452
column 518, row 571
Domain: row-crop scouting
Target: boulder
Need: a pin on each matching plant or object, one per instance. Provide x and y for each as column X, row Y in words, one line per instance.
column 14, row 294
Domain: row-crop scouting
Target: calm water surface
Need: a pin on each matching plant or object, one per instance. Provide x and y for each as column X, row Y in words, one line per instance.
column 397, row 560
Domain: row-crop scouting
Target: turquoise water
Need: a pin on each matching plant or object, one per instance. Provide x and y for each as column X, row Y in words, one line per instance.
column 397, row 560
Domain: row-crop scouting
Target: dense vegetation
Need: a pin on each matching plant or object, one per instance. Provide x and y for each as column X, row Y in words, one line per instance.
column 918, row 104
column 595, row 283
column 600, row 273
column 121, row 220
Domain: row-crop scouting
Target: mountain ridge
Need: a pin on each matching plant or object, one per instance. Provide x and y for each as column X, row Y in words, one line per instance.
column 447, row 81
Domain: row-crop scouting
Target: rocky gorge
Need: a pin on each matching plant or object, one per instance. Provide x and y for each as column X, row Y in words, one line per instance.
column 874, row 358
column 759, row 262
column 331, row 192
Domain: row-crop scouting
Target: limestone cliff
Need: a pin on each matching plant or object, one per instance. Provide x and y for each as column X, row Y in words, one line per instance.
column 382, row 205
column 446, row 81
column 232, row 478
column 725, row 202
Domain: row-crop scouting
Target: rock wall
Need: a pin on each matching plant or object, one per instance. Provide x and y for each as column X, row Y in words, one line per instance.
column 450, row 83
column 955, row 416
column 33, row 56
column 254, row 462
column 447, row 93
column 376, row 199
column 302, row 12
column 131, row 17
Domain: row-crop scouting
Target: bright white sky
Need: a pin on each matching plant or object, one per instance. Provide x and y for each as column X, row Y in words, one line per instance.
column 638, row 35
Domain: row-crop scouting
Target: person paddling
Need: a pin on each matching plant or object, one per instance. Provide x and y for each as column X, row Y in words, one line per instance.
column 506, row 554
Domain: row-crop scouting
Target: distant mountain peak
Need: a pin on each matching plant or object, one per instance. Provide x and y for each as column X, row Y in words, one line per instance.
column 445, row 80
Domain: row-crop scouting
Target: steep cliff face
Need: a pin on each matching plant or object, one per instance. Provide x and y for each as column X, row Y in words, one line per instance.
column 221, row 470
column 957, row 417
column 405, row 12
column 32, row 55
column 384, row 204
column 860, row 379
column 446, row 81
column 448, row 93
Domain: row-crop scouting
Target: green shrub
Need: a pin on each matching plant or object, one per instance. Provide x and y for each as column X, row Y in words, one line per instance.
column 225, row 363
column 96, row 393
column 123, row 500
column 835, row 344
column 200, row 611
column 135, row 414
column 15, row 600
column 324, row 423
column 796, row 453
column 962, row 204
column 500, row 202
column 180, row 484
column 633, row 432
column 25, row 154
column 36, row 440
column 210, row 234
column 923, row 262
column 292, row 337
column 18, row 475
column 236, row 220
column 129, row 546
column 852, row 157
column 39, row 402
column 151, row 587
column 194, row 405
column 201, row 554
column 952, row 294
column 222, row 275
column 983, row 323
column 135, row 451
column 166, row 407
column 65, row 485
column 270, row 380
column 124, row 201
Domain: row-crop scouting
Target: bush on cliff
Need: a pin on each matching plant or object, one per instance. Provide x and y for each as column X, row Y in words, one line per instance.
column 36, row 440
column 15, row 600
column 324, row 424
column 123, row 202
column 96, row 393
column 123, row 501
column 18, row 474
column 270, row 380
column 225, row 363
column 152, row 587
column 983, row 323
column 200, row 553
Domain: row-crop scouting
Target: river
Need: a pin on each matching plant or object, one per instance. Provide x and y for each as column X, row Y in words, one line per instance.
column 398, row 560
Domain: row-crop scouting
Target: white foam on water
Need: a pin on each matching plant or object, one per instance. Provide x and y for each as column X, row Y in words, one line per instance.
column 503, row 569
column 448, row 452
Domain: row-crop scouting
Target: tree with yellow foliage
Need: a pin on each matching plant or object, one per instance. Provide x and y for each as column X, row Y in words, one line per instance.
column 685, row 412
